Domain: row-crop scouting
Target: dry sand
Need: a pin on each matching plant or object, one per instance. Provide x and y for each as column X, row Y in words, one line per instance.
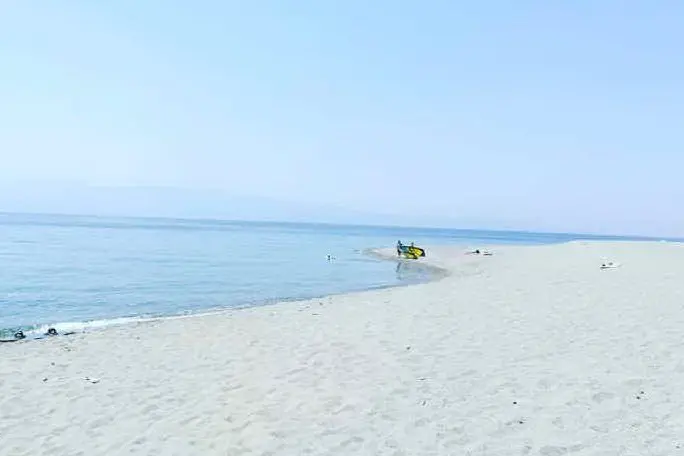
column 534, row 350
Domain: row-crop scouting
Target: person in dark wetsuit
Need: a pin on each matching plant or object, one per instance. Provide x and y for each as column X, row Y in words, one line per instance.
column 399, row 246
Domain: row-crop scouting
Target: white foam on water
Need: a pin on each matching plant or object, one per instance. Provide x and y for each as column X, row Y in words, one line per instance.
column 94, row 325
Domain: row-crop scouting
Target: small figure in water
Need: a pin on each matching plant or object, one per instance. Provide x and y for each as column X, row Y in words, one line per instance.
column 399, row 246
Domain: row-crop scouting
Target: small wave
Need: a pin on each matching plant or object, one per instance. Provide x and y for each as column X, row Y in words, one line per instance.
column 38, row 331
column 82, row 326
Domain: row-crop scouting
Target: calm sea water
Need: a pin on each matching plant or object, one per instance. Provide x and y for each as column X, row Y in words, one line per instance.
column 78, row 272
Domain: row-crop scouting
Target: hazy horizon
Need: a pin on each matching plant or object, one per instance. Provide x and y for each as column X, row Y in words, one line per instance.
column 175, row 202
column 528, row 116
column 179, row 203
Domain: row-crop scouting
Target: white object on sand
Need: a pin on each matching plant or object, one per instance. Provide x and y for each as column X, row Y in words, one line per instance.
column 610, row 265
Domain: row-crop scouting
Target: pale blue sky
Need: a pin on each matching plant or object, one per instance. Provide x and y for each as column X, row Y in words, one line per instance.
column 529, row 114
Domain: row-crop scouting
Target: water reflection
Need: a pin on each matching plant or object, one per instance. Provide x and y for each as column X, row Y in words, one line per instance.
column 410, row 272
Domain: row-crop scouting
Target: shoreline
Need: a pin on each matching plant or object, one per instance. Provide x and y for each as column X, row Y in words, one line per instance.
column 436, row 267
column 38, row 332
column 534, row 350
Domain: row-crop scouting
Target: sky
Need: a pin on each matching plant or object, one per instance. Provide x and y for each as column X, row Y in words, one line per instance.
column 552, row 116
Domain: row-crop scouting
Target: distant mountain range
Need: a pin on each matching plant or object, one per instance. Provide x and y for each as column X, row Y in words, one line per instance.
column 186, row 203
column 171, row 202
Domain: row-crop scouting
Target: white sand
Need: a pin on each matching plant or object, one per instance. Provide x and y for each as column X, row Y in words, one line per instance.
column 534, row 350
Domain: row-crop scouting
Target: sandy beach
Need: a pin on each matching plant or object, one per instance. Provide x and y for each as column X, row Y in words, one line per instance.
column 531, row 351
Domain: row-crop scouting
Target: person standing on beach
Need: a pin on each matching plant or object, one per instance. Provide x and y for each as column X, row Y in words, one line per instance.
column 399, row 245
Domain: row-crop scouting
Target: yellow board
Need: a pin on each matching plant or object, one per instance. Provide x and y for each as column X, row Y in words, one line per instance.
column 417, row 251
column 412, row 252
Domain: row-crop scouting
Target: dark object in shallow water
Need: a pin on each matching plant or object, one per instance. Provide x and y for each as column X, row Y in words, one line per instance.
column 19, row 335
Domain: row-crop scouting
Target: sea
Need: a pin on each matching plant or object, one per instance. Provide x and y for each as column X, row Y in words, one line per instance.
column 77, row 273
